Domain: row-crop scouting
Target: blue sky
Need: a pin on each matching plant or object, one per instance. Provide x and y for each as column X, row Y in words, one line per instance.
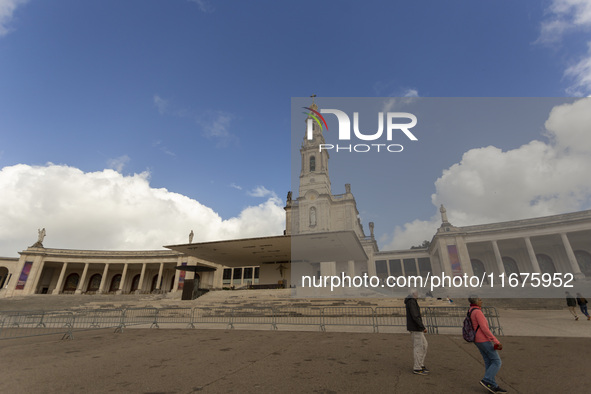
column 105, row 101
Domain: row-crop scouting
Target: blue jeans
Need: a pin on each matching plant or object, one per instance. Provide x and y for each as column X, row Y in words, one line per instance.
column 492, row 361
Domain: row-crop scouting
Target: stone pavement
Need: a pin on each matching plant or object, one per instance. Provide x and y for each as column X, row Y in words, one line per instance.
column 544, row 351
column 226, row 361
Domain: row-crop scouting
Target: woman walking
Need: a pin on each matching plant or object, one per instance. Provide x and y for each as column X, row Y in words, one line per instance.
column 487, row 344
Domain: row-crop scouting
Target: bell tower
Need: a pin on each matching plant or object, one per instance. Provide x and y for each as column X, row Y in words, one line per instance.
column 314, row 172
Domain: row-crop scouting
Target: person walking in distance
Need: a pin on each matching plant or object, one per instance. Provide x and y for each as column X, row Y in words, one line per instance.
column 582, row 301
column 414, row 324
column 571, row 302
column 487, row 344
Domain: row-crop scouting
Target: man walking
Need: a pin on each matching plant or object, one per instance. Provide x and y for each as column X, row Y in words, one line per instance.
column 414, row 324
column 571, row 302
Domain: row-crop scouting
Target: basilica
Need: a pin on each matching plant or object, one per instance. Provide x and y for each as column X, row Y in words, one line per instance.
column 323, row 237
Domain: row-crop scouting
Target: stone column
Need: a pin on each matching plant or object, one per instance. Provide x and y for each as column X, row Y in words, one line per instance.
column 123, row 277
column 532, row 256
column 464, row 256
column 38, row 277
column 32, row 279
column 351, row 268
column 60, row 281
column 443, row 258
column 328, row 268
column 498, row 257
column 104, row 279
column 142, row 276
column 82, row 279
column 158, row 284
column 371, row 268
column 218, row 278
column 571, row 258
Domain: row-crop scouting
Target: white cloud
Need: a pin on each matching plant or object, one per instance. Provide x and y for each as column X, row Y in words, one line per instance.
column 161, row 104
column 162, row 148
column 7, row 8
column 235, row 186
column 581, row 74
column 216, row 125
column 261, row 191
column 565, row 16
column 407, row 97
column 118, row 163
column 411, row 93
column 106, row 210
column 536, row 179
column 204, row 5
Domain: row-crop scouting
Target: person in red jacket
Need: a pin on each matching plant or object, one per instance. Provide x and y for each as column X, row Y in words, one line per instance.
column 487, row 344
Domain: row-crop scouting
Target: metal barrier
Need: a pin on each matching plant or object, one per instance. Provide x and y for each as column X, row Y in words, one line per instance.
column 175, row 316
column 29, row 324
column 392, row 316
column 213, row 316
column 32, row 323
column 347, row 316
column 298, row 316
column 98, row 318
column 453, row 317
column 253, row 316
column 492, row 317
column 140, row 317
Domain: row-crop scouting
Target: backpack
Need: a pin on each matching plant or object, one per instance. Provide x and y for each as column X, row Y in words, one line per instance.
column 468, row 331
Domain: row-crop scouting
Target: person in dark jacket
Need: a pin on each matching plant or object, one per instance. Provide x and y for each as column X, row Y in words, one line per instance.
column 582, row 301
column 571, row 302
column 414, row 324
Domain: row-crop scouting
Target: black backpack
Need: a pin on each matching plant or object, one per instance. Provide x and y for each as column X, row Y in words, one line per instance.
column 468, row 331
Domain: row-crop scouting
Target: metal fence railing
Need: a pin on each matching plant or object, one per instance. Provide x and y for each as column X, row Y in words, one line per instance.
column 30, row 324
column 348, row 316
column 33, row 323
column 298, row 316
column 453, row 317
column 392, row 316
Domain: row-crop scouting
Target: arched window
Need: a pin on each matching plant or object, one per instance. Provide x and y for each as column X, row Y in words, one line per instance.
column 94, row 283
column 510, row 266
column 478, row 269
column 312, row 163
column 115, row 282
column 135, row 283
column 584, row 260
column 546, row 264
column 71, row 283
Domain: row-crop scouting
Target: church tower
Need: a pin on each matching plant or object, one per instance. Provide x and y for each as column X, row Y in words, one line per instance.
column 316, row 209
column 314, row 172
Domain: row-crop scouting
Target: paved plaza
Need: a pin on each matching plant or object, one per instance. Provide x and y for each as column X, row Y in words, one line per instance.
column 240, row 361
column 544, row 351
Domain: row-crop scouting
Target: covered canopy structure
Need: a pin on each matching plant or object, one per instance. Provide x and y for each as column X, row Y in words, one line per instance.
column 314, row 247
column 296, row 254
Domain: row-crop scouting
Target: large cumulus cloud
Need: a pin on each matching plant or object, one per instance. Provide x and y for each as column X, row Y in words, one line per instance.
column 536, row 179
column 107, row 210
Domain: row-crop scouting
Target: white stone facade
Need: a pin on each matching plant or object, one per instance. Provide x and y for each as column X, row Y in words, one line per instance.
column 61, row 271
column 553, row 244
